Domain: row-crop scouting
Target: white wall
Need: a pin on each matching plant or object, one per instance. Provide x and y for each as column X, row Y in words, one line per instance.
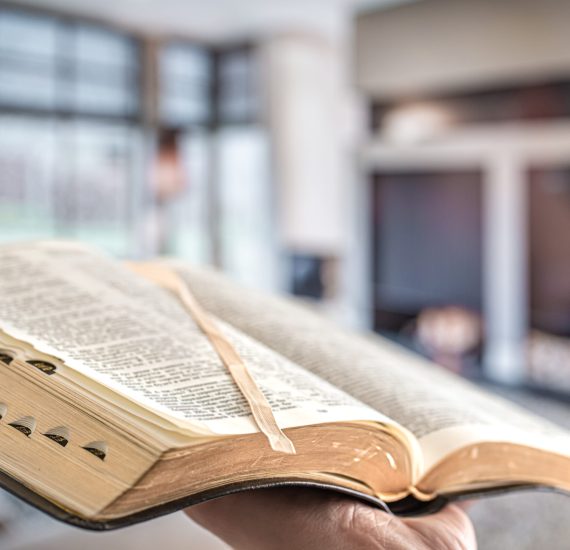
column 436, row 45
column 306, row 101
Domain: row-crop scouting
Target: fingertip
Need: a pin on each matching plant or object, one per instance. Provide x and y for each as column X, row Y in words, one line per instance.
column 464, row 504
column 456, row 515
column 452, row 522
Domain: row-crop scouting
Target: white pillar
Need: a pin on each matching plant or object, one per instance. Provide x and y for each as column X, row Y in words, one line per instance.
column 505, row 269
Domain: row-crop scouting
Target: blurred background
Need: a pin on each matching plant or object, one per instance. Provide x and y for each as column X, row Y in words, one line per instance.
column 403, row 165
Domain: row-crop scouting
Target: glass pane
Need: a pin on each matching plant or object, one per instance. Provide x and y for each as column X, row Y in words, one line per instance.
column 27, row 160
column 49, row 65
column 180, row 109
column 190, row 211
column 184, row 84
column 248, row 231
column 104, row 96
column 185, row 61
column 68, row 180
column 97, row 45
column 23, row 88
column 106, row 69
column 238, row 88
column 101, row 182
column 25, row 34
column 27, row 60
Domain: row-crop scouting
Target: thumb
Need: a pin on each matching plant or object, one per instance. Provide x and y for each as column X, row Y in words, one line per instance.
column 450, row 529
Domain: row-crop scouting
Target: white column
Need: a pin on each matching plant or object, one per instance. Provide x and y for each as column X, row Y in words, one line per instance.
column 213, row 198
column 505, row 268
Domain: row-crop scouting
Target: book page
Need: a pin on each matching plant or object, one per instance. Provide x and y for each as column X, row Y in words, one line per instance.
column 136, row 339
column 430, row 402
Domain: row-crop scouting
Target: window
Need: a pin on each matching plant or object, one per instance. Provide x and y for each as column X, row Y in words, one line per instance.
column 185, row 84
column 238, row 85
column 27, row 182
column 70, row 179
column 200, row 86
column 54, row 65
column 247, row 232
column 69, row 145
column 74, row 161
column 28, row 60
column 106, row 72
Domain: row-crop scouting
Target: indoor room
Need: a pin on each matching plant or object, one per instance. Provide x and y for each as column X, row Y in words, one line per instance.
column 398, row 167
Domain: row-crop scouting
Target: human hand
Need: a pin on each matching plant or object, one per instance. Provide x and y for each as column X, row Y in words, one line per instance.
column 286, row 519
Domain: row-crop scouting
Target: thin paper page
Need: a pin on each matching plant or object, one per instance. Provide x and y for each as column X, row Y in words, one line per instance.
column 136, row 339
column 422, row 397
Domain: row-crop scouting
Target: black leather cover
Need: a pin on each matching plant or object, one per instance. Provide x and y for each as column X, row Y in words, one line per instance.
column 408, row 506
column 18, row 489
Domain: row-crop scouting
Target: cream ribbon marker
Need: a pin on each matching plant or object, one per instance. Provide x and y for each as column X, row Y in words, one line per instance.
column 258, row 404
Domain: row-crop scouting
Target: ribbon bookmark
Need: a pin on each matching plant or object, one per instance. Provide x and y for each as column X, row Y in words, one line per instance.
column 258, row 404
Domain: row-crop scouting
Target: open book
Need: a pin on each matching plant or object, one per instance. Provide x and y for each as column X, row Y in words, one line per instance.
column 115, row 406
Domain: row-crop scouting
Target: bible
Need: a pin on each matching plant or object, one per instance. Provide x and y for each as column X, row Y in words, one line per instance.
column 117, row 406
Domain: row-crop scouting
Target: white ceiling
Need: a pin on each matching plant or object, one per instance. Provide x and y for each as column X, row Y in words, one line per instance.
column 218, row 19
